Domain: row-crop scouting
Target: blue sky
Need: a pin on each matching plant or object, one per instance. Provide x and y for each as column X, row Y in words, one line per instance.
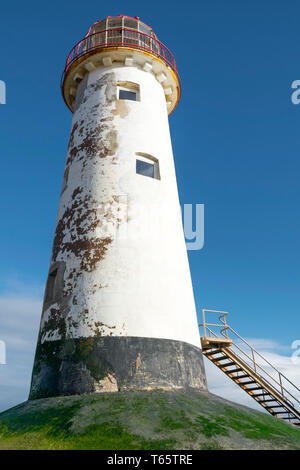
column 236, row 145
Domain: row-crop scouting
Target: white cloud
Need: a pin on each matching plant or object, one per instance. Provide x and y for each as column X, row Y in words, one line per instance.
column 19, row 322
column 261, row 345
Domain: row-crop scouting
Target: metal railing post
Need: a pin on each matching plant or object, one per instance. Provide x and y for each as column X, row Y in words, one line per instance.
column 253, row 358
column 226, row 329
column 280, row 381
column 204, row 326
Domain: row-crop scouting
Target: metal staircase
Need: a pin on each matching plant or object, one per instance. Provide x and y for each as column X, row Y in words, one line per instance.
column 249, row 369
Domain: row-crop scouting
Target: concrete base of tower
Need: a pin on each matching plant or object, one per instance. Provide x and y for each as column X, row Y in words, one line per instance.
column 112, row 364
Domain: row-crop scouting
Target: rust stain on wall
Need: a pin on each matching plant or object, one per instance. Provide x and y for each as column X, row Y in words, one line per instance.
column 121, row 109
column 79, row 223
column 138, row 361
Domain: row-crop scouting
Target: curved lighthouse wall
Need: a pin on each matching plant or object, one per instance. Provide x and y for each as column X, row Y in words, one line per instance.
column 119, row 309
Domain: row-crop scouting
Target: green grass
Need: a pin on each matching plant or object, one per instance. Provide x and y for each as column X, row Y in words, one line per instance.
column 154, row 420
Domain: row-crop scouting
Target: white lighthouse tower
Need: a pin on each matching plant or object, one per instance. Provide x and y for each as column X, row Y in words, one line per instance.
column 119, row 311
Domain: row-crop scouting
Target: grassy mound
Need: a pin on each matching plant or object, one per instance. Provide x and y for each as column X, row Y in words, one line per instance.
column 142, row 420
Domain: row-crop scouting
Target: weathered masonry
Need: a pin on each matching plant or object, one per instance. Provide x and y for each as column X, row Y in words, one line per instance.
column 119, row 310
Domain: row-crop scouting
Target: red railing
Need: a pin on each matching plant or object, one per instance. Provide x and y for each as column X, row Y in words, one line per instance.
column 121, row 37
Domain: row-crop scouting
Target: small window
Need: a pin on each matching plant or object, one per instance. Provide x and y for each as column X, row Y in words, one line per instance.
column 145, row 168
column 50, row 289
column 128, row 91
column 147, row 165
column 127, row 95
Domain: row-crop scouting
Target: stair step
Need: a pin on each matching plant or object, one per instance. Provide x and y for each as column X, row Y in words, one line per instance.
column 221, row 358
column 261, row 394
column 233, row 370
column 217, row 350
column 228, row 364
column 246, row 376
column 275, row 406
column 213, row 353
column 253, row 389
column 249, row 382
column 269, row 399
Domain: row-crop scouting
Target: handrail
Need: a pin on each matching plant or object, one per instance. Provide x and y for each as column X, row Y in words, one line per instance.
column 233, row 344
column 266, row 360
column 272, row 378
column 224, row 329
column 121, row 37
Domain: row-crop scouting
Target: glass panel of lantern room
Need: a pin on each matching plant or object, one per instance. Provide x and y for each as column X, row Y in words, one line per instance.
column 130, row 23
column 101, row 26
column 114, row 36
column 154, row 44
column 114, row 22
column 144, row 28
column 144, row 37
column 97, row 35
column 131, row 37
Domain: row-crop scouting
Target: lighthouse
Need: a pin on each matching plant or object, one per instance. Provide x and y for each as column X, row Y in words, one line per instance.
column 118, row 311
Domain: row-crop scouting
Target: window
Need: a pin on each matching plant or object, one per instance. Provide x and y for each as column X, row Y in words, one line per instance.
column 127, row 95
column 147, row 165
column 50, row 289
column 128, row 91
column 145, row 168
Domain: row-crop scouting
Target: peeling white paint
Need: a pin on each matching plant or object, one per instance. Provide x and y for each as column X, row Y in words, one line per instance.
column 139, row 284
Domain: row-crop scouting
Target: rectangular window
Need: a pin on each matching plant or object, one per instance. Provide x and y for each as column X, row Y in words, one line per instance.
column 127, row 95
column 145, row 168
column 147, row 165
column 128, row 91
column 50, row 289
